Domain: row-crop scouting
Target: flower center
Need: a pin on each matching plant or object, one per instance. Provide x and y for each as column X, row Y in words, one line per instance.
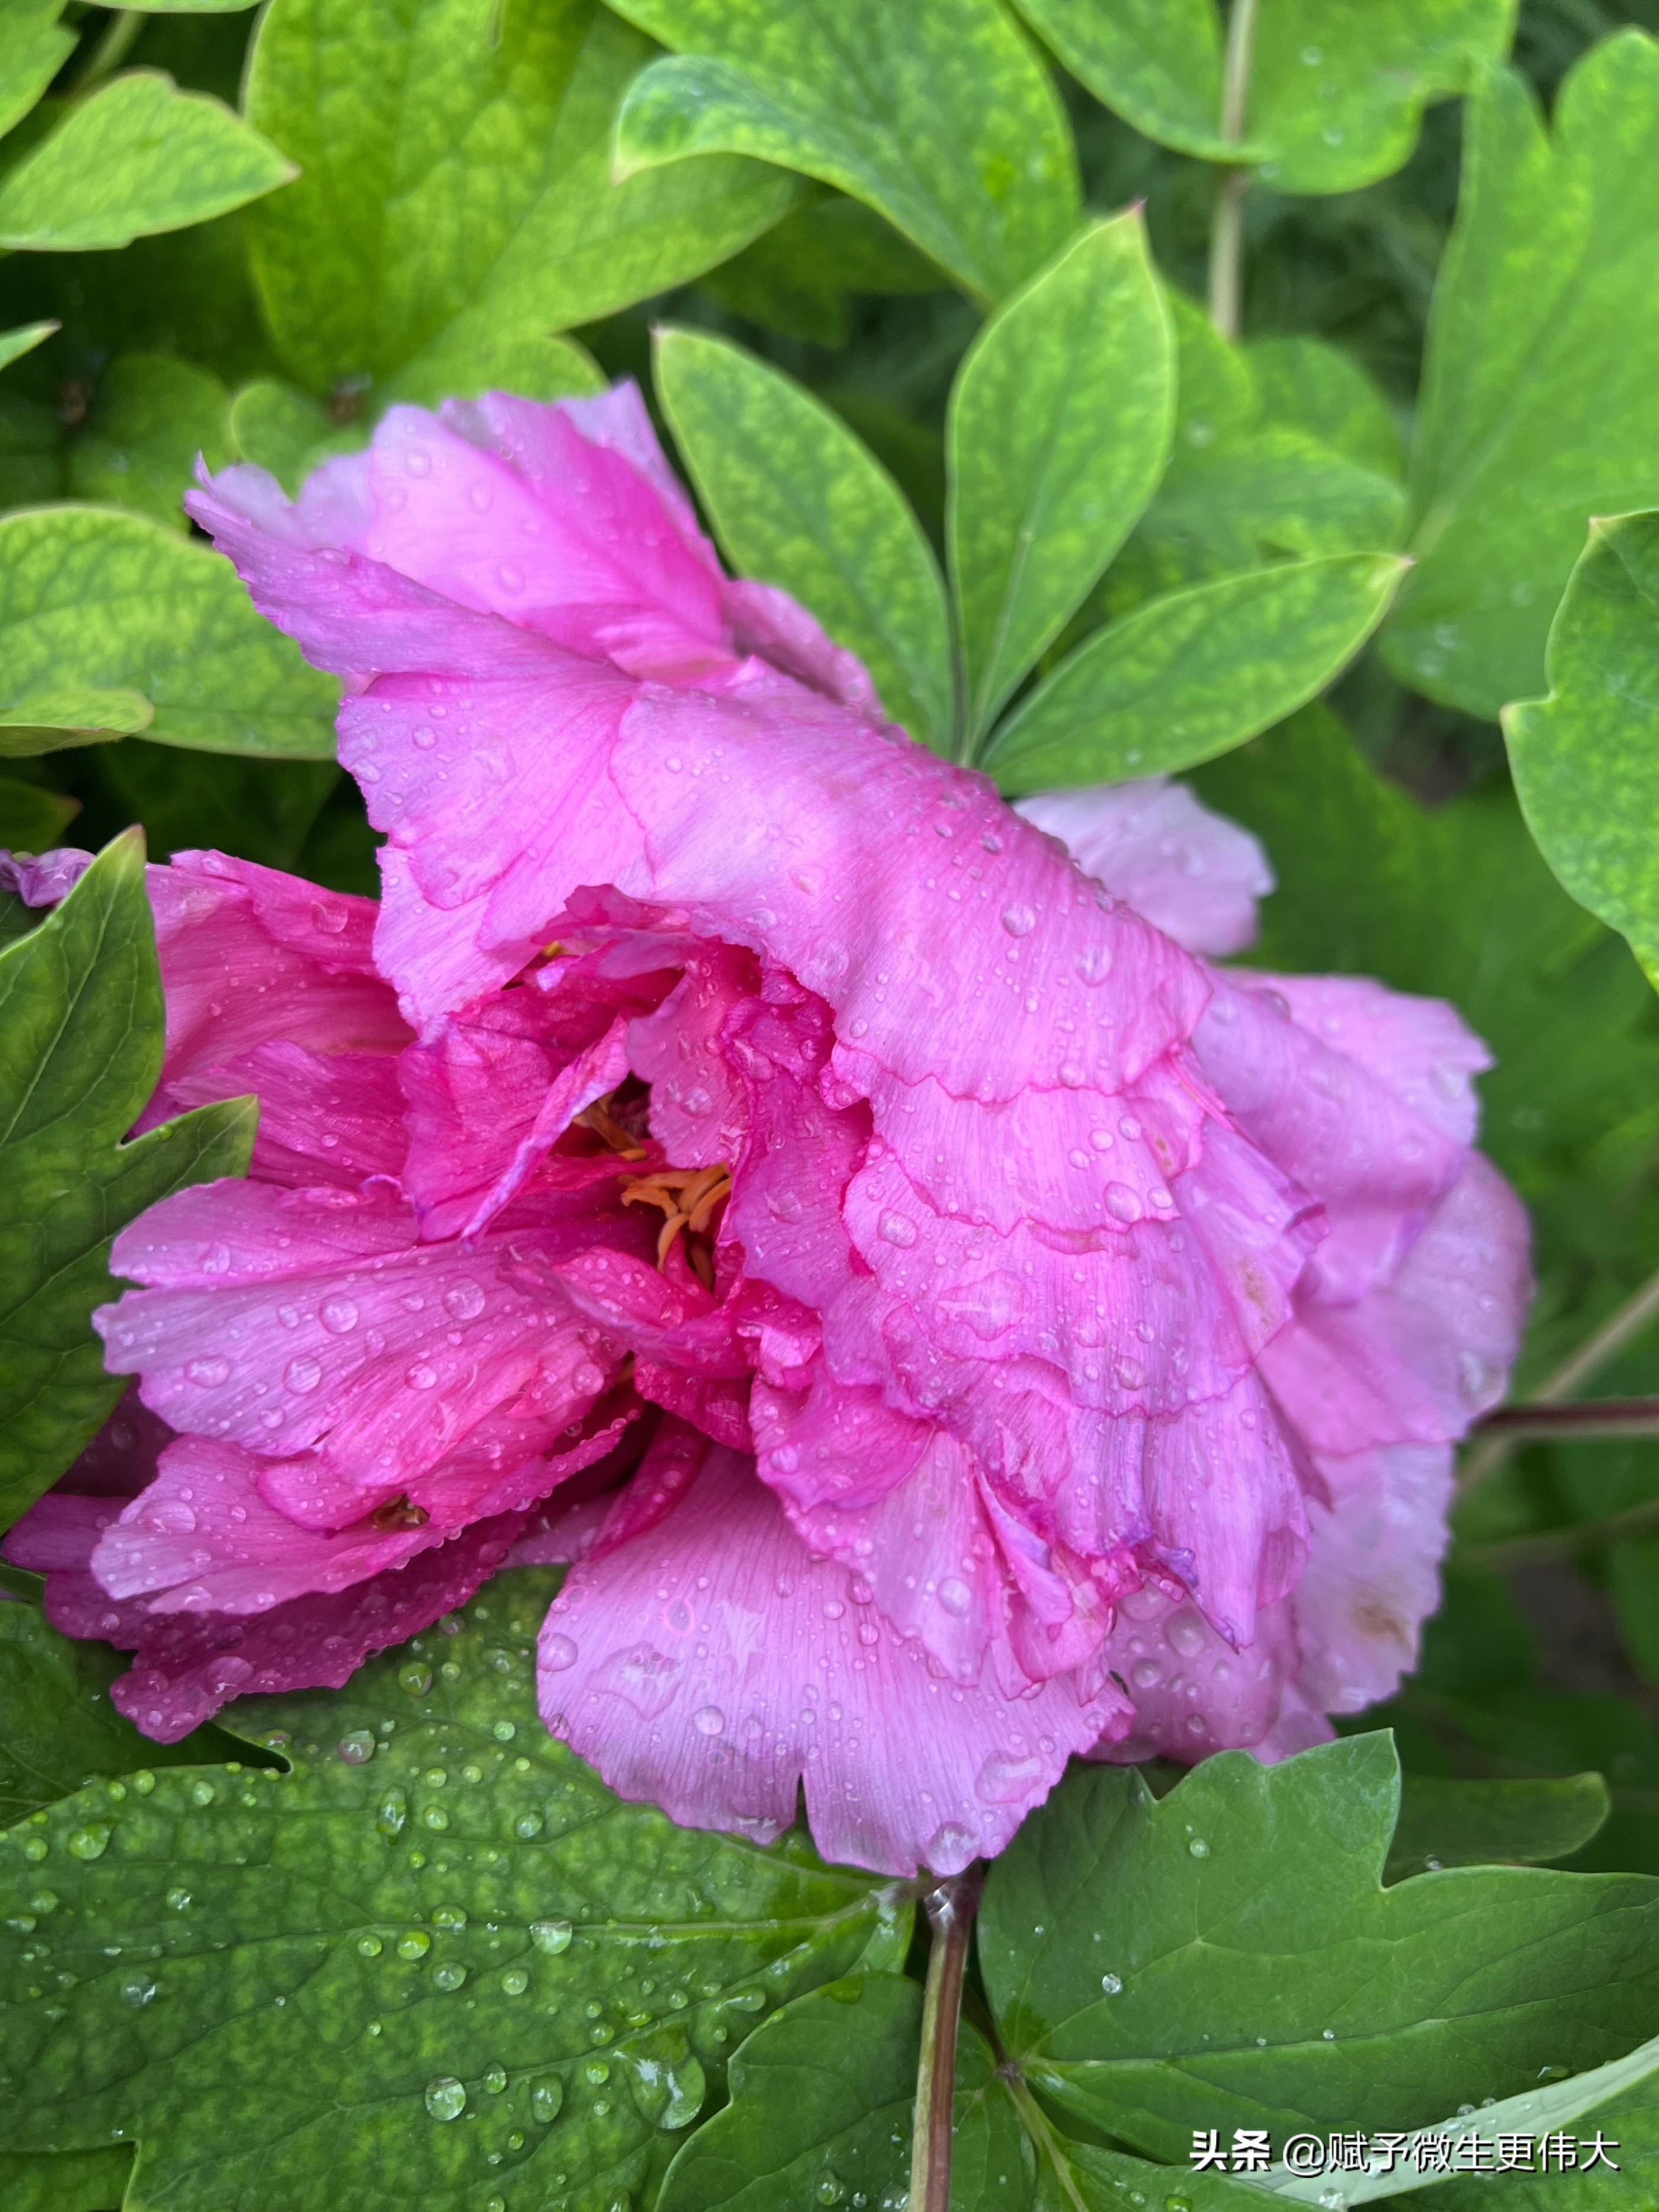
column 689, row 1198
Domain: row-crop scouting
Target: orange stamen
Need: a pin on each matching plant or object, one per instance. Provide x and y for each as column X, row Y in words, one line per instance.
column 688, row 1197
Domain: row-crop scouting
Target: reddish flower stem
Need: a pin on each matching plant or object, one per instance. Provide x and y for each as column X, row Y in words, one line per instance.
column 951, row 1907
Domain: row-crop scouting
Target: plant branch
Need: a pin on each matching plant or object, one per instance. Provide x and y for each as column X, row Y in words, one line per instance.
column 1037, row 2127
column 1499, row 1439
column 1584, row 1418
column 1227, row 228
column 1561, row 1543
column 110, row 50
column 951, row 1909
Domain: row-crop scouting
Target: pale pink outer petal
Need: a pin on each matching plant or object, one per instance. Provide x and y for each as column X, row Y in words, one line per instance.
column 43, row 878
column 713, row 1665
column 1418, row 1360
column 1372, row 1576
column 1376, row 1165
column 1421, row 1048
column 1193, row 874
column 1193, row 1694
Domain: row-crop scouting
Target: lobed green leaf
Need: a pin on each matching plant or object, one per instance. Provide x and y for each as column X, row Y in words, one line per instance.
column 438, row 1961
column 1059, row 429
column 1188, row 676
column 112, row 602
column 1228, row 1956
column 1537, row 410
column 456, row 204
column 81, row 1002
column 797, row 500
column 936, row 113
column 135, row 156
column 1584, row 759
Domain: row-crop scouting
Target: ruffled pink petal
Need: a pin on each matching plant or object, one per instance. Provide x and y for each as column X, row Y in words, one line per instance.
column 42, row 879
column 1421, row 1048
column 1191, row 873
column 295, row 1322
column 1418, row 1360
column 324, row 1117
column 713, row 1666
column 1193, row 1694
column 186, row 1666
column 201, row 1539
column 1376, row 1165
column 250, row 957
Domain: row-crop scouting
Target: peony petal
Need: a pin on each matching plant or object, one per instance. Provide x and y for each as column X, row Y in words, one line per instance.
column 43, row 879
column 1193, row 874
column 1421, row 1048
column 1372, row 1576
column 713, row 1666
column 1418, row 1360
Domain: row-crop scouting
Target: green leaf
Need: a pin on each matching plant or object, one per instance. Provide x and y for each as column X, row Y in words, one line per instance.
column 1584, row 759
column 1302, row 384
column 1444, row 1822
column 798, row 500
column 796, row 277
column 822, row 2098
column 261, row 809
column 936, row 113
column 135, row 156
column 476, row 359
column 1337, row 93
column 456, row 204
column 1155, row 62
column 58, row 1726
column 1259, row 471
column 152, row 417
column 1228, row 1956
column 1059, row 429
column 1191, row 675
column 14, row 345
column 107, row 601
column 1537, row 410
column 32, row 820
column 1625, row 2087
column 285, row 430
column 50, row 721
column 525, row 1986
column 85, row 2181
column 33, row 48
column 81, row 1003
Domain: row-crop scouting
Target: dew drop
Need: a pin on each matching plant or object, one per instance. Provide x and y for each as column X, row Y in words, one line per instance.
column 209, row 1372
column 445, row 2099
column 303, row 1375
column 137, row 1990
column 339, row 1315
column 558, row 1652
column 87, row 1843
column 550, row 1935
column 1112, row 1983
column 708, row 1720
column 1019, row 920
column 547, row 2100
column 463, row 1300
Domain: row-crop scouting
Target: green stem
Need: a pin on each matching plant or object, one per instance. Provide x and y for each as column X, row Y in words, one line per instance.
column 1227, row 230
column 951, row 1909
column 110, row 51
column 1037, row 2127
column 1601, row 1346
column 1561, row 1543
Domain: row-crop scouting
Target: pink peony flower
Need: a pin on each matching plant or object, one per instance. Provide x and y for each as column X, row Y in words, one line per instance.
column 948, row 1326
